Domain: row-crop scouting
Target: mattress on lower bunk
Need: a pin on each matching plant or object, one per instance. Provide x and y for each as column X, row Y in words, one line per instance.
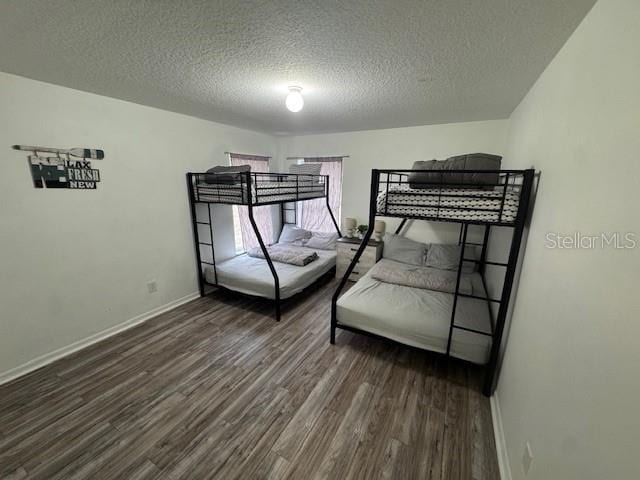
column 450, row 203
column 418, row 317
column 261, row 192
column 252, row 276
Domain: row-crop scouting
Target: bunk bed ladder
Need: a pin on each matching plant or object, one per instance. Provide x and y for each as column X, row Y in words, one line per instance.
column 462, row 241
column 196, row 237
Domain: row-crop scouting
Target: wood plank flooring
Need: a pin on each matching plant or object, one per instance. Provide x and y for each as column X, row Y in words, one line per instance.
column 217, row 389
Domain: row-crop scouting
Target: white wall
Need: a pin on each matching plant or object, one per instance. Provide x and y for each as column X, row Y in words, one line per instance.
column 74, row 263
column 570, row 379
column 397, row 148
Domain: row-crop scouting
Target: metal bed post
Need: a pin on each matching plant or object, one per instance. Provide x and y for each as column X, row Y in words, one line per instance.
column 465, row 229
column 213, row 248
column 482, row 264
column 276, row 280
column 283, row 217
column 192, row 207
column 401, row 226
column 375, row 178
column 326, row 197
column 516, row 240
column 483, row 254
column 386, row 198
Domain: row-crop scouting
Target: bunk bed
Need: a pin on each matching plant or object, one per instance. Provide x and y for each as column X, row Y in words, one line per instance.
column 261, row 277
column 457, row 322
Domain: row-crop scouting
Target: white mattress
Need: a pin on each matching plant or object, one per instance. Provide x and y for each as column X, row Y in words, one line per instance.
column 252, row 275
column 261, row 192
column 418, row 317
column 446, row 203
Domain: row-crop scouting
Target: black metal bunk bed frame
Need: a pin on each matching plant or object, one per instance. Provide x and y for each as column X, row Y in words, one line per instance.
column 510, row 181
column 297, row 188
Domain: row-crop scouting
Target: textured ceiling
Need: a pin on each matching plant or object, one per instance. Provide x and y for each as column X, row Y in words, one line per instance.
column 363, row 64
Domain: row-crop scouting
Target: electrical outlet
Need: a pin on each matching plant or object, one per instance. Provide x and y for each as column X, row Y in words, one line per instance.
column 152, row 286
column 527, row 458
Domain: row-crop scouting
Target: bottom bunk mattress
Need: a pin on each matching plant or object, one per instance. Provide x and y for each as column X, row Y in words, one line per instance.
column 418, row 317
column 252, row 276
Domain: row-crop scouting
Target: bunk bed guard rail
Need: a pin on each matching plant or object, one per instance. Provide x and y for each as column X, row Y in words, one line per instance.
column 261, row 188
column 470, row 196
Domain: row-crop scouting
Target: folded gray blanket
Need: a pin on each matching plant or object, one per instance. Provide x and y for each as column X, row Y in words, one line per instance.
column 421, row 277
column 286, row 254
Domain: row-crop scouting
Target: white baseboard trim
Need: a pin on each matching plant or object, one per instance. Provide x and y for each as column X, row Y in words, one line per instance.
column 50, row 357
column 498, row 432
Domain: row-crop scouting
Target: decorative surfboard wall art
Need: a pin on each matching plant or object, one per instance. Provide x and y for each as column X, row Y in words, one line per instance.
column 67, row 168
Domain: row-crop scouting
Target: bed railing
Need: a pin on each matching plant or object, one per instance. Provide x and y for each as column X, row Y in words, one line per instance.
column 258, row 187
column 449, row 196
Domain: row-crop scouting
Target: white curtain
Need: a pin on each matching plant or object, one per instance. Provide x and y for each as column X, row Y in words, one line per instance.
column 313, row 213
column 262, row 215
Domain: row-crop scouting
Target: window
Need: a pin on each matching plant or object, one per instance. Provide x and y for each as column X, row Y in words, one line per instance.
column 237, row 231
column 313, row 214
column 244, row 235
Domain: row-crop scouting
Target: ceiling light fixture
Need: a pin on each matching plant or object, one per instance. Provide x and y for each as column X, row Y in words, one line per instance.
column 294, row 101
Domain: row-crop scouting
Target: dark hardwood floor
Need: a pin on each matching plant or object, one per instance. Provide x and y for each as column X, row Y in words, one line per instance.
column 217, row 389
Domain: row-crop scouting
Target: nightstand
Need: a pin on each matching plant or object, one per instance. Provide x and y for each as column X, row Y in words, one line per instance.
column 346, row 250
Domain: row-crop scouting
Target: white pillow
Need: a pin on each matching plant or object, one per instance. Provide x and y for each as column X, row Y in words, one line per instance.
column 293, row 235
column 322, row 240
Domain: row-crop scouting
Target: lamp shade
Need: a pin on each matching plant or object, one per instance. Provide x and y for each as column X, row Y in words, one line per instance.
column 379, row 226
column 350, row 223
column 294, row 100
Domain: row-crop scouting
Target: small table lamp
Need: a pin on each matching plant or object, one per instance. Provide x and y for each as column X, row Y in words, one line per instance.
column 378, row 230
column 350, row 227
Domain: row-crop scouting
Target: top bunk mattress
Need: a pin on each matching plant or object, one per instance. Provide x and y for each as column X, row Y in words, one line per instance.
column 252, row 275
column 418, row 317
column 473, row 205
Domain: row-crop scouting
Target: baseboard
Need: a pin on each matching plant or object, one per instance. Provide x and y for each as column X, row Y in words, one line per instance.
column 501, row 445
column 47, row 358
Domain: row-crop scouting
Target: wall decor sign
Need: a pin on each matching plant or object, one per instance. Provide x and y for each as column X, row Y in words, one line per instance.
column 69, row 168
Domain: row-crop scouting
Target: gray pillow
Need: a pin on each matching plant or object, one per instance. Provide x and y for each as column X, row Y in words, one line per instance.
column 226, row 175
column 447, row 257
column 403, row 250
column 471, row 161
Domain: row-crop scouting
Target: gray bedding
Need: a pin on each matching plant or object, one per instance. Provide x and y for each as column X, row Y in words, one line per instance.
column 286, row 254
column 251, row 275
column 224, row 175
column 471, row 161
column 421, row 277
